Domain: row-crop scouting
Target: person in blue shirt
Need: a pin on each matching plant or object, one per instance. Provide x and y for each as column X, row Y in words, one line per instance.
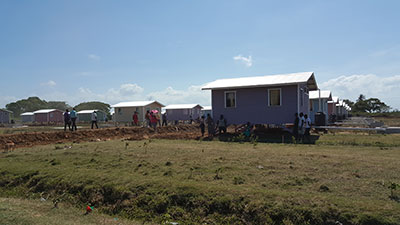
column 73, row 116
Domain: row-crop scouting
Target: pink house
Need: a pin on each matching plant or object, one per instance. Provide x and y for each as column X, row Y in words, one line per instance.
column 48, row 116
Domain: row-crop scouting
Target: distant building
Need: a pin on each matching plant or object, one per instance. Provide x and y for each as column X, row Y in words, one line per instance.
column 183, row 112
column 5, row 116
column 332, row 110
column 123, row 111
column 27, row 117
column 319, row 103
column 48, row 116
column 261, row 100
column 206, row 110
column 86, row 115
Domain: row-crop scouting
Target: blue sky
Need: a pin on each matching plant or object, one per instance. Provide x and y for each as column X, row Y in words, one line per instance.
column 116, row 51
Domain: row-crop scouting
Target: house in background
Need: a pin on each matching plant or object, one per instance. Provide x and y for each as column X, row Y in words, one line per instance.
column 206, row 110
column 86, row 115
column 27, row 117
column 183, row 112
column 5, row 116
column 123, row 111
column 261, row 100
column 319, row 104
column 332, row 110
column 48, row 116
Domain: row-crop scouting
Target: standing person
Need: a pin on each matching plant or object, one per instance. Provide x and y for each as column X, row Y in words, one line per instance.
column 94, row 119
column 158, row 118
column 135, row 119
column 153, row 121
column 73, row 118
column 296, row 127
column 202, row 126
column 302, row 126
column 147, row 118
column 210, row 126
column 221, row 123
column 67, row 120
column 164, row 119
column 308, row 128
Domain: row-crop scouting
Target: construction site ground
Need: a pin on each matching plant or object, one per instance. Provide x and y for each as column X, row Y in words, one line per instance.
column 130, row 133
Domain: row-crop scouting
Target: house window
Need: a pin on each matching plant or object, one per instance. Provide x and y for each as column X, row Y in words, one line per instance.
column 274, row 97
column 230, row 99
column 119, row 111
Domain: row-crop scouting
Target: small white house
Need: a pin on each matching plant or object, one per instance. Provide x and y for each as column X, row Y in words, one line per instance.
column 183, row 112
column 123, row 111
column 27, row 117
column 319, row 103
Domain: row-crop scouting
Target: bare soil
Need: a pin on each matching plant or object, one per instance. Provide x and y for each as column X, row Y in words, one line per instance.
column 9, row 141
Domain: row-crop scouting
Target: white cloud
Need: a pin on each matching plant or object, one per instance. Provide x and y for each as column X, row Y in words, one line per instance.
column 247, row 61
column 371, row 85
column 49, row 83
column 4, row 100
column 94, row 57
column 192, row 94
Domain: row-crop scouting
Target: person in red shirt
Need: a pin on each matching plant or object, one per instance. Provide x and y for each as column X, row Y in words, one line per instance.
column 153, row 120
column 135, row 119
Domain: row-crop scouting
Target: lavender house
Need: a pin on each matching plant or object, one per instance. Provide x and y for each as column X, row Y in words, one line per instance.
column 261, row 100
column 5, row 116
column 183, row 111
column 319, row 103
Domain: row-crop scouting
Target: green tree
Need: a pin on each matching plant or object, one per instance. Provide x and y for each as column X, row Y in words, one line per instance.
column 32, row 104
column 93, row 105
column 370, row 105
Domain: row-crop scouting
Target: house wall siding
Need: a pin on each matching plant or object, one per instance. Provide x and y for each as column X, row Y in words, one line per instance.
column 183, row 114
column 27, row 118
column 54, row 117
column 87, row 117
column 126, row 113
column 252, row 106
column 4, row 117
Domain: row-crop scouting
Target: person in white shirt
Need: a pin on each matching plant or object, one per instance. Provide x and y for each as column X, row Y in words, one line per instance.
column 94, row 119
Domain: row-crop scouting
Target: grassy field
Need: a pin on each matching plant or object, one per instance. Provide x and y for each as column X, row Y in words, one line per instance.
column 34, row 212
column 343, row 178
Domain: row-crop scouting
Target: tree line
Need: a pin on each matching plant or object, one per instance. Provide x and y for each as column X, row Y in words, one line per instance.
column 370, row 105
column 35, row 103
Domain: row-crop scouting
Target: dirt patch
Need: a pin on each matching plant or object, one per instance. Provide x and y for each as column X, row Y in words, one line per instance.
column 8, row 141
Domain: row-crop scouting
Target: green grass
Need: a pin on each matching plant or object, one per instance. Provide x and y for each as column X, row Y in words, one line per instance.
column 216, row 182
column 34, row 212
column 360, row 139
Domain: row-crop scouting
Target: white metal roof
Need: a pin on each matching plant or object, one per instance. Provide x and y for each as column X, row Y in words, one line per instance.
column 335, row 99
column 262, row 81
column 45, row 110
column 207, row 107
column 27, row 114
column 316, row 95
column 88, row 111
column 182, row 106
column 135, row 104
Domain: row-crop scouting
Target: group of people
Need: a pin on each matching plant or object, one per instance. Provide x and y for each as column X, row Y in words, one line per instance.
column 211, row 126
column 70, row 120
column 302, row 127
